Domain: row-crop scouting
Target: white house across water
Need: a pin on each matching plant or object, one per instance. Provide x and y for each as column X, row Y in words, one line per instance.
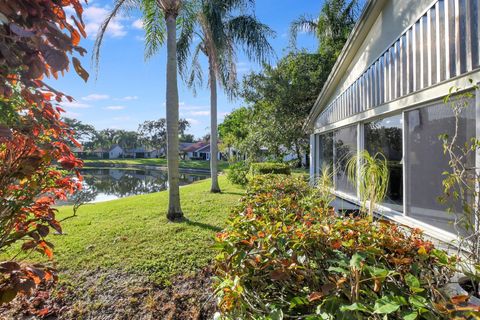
column 385, row 93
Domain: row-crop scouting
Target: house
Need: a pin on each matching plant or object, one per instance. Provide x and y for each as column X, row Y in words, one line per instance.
column 114, row 152
column 199, row 151
column 142, row 153
column 385, row 93
column 185, row 151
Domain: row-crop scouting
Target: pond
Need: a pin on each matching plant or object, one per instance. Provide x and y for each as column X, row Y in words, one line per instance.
column 104, row 184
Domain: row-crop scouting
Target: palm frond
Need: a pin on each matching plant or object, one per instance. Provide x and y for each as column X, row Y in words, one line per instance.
column 120, row 7
column 302, row 24
column 155, row 28
column 195, row 78
column 187, row 24
column 252, row 35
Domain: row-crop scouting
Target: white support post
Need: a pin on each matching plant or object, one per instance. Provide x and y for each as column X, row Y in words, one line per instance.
column 477, row 154
column 360, row 148
column 404, row 160
column 313, row 151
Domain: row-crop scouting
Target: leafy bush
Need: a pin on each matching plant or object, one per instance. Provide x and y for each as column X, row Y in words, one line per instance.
column 237, row 173
column 269, row 168
column 283, row 256
column 38, row 41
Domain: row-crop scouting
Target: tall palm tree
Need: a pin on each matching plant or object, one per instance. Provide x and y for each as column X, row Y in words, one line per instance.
column 333, row 26
column 222, row 33
column 160, row 23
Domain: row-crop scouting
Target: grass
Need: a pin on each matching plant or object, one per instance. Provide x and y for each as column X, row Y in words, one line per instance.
column 133, row 235
column 188, row 164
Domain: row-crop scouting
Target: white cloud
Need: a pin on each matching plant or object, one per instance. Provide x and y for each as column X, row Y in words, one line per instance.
column 75, row 105
column 96, row 97
column 200, row 113
column 138, row 24
column 127, row 98
column 193, row 121
column 113, row 108
column 94, row 16
column 223, row 114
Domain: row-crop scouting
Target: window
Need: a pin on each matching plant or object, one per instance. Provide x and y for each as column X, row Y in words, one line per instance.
column 325, row 152
column 426, row 162
column 385, row 136
column 345, row 141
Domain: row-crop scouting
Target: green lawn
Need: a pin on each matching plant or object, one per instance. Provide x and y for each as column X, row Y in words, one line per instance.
column 133, row 234
column 189, row 164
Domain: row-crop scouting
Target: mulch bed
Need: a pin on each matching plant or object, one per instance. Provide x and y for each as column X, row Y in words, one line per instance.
column 118, row 295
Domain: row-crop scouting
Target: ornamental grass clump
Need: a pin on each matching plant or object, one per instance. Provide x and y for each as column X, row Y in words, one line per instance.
column 371, row 175
column 284, row 257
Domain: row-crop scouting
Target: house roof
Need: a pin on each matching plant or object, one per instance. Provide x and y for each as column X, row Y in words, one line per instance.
column 370, row 13
column 196, row 146
column 205, row 149
column 185, row 145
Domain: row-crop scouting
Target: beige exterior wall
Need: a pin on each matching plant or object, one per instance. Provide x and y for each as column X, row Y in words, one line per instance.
column 395, row 17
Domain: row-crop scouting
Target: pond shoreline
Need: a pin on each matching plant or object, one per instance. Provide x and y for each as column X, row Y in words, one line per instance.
column 97, row 165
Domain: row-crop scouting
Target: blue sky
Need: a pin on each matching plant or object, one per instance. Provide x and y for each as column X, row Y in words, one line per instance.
column 130, row 90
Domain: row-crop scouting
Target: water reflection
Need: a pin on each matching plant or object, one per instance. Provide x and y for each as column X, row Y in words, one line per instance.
column 110, row 184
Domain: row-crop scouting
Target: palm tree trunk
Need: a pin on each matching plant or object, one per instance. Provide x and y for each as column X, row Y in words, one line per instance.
column 215, row 188
column 174, row 209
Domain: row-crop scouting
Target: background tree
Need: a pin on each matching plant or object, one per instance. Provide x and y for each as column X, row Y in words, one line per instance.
column 104, row 139
column 332, row 28
column 126, row 140
column 154, row 133
column 282, row 95
column 234, row 134
column 160, row 23
column 36, row 41
column 84, row 133
column 224, row 27
column 187, row 137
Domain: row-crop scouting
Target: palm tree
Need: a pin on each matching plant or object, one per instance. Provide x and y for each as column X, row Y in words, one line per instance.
column 333, row 26
column 160, row 23
column 221, row 33
column 126, row 140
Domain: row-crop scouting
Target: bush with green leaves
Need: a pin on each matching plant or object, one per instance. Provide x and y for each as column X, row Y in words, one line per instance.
column 284, row 257
column 237, row 173
column 269, row 168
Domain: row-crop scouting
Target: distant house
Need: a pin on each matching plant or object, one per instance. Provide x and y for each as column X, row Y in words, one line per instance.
column 79, row 152
column 143, row 153
column 185, row 152
column 114, row 152
column 199, row 151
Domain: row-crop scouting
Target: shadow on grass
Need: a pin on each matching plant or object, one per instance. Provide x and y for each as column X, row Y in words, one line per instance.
column 202, row 225
column 234, row 193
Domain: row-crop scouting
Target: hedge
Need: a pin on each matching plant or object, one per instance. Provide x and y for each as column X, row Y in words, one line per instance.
column 283, row 257
column 269, row 168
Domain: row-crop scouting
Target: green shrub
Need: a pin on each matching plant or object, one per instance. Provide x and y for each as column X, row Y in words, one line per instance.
column 269, row 168
column 237, row 173
column 283, row 256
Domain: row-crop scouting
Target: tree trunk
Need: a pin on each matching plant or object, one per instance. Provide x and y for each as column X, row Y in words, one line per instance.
column 174, row 209
column 215, row 188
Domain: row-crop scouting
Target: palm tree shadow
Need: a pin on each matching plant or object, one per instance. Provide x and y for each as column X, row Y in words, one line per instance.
column 234, row 193
column 202, row 225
